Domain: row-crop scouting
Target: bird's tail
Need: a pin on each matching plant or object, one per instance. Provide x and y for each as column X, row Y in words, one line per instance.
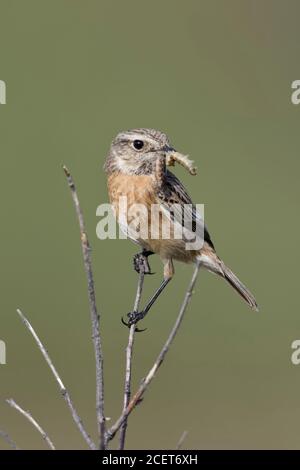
column 216, row 265
column 234, row 281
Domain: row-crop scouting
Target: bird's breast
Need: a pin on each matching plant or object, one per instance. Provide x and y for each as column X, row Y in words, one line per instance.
column 134, row 199
column 137, row 189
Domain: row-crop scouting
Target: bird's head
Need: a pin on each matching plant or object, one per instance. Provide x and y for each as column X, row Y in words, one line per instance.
column 136, row 151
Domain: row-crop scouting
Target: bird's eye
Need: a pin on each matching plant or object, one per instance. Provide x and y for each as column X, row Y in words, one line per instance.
column 138, row 144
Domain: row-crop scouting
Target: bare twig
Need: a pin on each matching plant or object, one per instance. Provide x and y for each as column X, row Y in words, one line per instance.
column 129, row 350
column 95, row 317
column 6, row 437
column 182, row 439
column 138, row 395
column 27, row 415
column 63, row 389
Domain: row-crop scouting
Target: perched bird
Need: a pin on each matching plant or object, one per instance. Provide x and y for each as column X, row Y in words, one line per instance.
column 136, row 168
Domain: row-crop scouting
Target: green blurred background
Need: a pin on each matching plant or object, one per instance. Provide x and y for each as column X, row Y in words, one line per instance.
column 216, row 77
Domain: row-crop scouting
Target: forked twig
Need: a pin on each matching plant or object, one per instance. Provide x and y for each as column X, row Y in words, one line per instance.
column 63, row 389
column 6, row 437
column 95, row 317
column 129, row 351
column 128, row 403
column 138, row 395
column 27, row 415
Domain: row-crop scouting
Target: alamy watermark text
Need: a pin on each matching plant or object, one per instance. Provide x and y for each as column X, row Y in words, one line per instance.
column 2, row 92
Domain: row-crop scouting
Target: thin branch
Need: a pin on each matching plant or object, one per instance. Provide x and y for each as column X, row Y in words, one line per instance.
column 181, row 439
column 6, row 437
column 95, row 317
column 138, row 395
column 129, row 351
column 27, row 415
column 63, row 389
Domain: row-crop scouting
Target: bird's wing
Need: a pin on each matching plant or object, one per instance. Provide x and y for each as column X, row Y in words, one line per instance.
column 176, row 202
column 124, row 227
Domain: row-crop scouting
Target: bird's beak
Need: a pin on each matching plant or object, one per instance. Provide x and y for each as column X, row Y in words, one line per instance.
column 168, row 149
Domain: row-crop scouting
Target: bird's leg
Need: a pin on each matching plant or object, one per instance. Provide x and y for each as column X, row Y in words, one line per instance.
column 142, row 267
column 140, row 261
column 134, row 317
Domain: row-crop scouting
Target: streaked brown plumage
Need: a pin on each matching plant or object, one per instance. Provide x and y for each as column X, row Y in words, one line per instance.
column 141, row 175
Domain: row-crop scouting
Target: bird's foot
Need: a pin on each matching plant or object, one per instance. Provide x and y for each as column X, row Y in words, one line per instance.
column 140, row 263
column 133, row 319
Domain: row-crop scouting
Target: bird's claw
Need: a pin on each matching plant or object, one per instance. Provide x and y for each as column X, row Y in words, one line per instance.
column 133, row 318
column 140, row 261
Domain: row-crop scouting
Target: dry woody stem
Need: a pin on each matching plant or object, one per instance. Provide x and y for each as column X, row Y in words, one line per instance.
column 129, row 352
column 28, row 416
column 95, row 317
column 181, row 440
column 151, row 374
column 62, row 388
column 6, row 437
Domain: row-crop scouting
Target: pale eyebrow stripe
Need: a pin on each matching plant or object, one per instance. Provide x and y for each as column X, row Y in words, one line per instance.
column 124, row 137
